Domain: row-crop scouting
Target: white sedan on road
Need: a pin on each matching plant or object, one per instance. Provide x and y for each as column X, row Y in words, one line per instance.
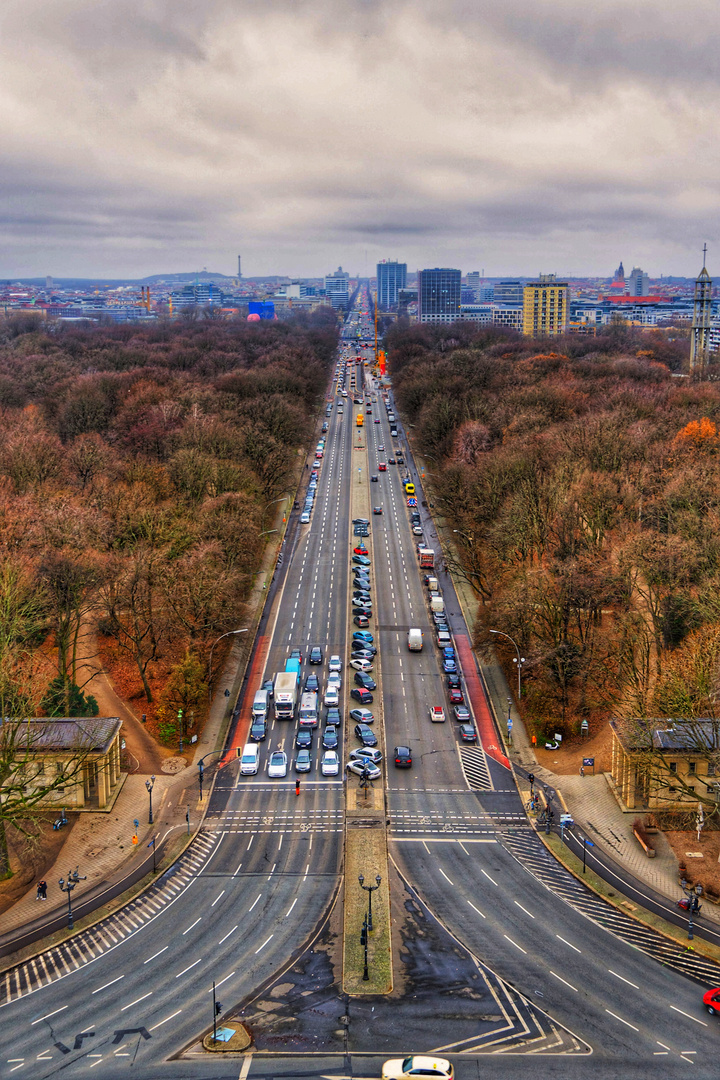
column 277, row 765
column 335, row 663
column 330, row 763
column 332, row 695
column 399, row 1068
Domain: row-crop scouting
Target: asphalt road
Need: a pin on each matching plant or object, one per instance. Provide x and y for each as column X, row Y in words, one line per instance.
column 499, row 951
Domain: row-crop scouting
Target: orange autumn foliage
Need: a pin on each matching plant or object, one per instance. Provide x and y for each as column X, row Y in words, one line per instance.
column 698, row 435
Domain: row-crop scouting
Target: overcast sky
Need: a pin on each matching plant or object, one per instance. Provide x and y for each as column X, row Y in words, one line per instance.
column 143, row 136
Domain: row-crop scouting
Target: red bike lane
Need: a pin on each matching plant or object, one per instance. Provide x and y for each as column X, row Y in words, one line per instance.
column 478, row 699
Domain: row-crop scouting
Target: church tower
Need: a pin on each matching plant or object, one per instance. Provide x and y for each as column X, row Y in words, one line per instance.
column 700, row 334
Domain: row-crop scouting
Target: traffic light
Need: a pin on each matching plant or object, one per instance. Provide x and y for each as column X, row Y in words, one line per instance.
column 531, row 778
column 218, row 1008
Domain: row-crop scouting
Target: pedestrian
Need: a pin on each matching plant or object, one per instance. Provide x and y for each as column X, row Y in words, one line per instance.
column 297, row 787
column 41, row 890
column 582, row 770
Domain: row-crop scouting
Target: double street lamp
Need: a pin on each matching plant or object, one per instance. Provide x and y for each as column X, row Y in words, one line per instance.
column 73, row 879
column 517, row 659
column 210, row 671
column 369, row 889
column 150, row 784
column 693, row 903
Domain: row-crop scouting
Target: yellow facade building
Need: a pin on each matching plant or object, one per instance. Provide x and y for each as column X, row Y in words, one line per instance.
column 546, row 307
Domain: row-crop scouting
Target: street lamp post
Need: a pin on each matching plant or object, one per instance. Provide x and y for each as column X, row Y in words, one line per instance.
column 693, row 895
column 67, row 886
column 369, row 889
column 212, row 648
column 518, row 659
column 150, row 784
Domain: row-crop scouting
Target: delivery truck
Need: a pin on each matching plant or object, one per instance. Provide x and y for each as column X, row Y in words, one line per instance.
column 427, row 558
column 415, row 640
column 286, row 684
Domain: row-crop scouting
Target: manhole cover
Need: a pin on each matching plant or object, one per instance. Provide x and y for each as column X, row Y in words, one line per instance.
column 173, row 765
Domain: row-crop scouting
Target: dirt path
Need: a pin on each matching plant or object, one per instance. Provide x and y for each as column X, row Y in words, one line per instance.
column 139, row 744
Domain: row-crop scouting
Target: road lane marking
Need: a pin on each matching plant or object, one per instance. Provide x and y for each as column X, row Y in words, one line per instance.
column 227, row 935
column 190, row 927
column 515, row 944
column 567, row 943
column 626, row 1022
column 688, row 1015
column 476, row 909
column 525, row 910
column 171, row 1017
column 47, row 1016
column 291, row 907
column 217, row 898
column 112, row 983
column 445, row 876
column 264, row 944
column 555, row 975
column 253, row 905
column 185, row 970
column 137, row 1001
column 488, row 877
column 221, row 982
column 245, row 1067
column 623, row 979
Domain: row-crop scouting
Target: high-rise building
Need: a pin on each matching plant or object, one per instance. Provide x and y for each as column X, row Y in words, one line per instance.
column 239, row 267
column 438, row 295
column 638, row 283
column 391, row 277
column 472, row 281
column 545, row 306
column 508, row 292
column 337, row 287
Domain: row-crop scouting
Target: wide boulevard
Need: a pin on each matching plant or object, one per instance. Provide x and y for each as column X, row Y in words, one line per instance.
column 497, row 950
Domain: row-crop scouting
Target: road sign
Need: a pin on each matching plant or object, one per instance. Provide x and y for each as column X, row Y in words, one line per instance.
column 588, row 762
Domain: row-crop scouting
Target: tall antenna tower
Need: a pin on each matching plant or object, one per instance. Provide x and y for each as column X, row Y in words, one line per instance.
column 702, row 306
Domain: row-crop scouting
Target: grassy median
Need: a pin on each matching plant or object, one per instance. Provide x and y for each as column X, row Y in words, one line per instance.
column 366, row 854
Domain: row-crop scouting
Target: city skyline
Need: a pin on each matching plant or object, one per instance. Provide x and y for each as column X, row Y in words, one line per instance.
column 526, row 139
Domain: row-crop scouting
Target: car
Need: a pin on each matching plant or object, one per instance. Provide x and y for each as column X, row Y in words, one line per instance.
column 400, row 459
column 303, row 761
column 373, row 479
column 364, row 768
column 312, row 683
column 362, row 596
column 381, row 448
column 361, row 560
column 335, row 679
column 456, row 696
column 417, row 530
column 332, row 695
column 277, row 765
column 363, row 635
column 361, row 621
column 363, row 654
column 377, row 419
column 316, row 655
column 295, row 654
column 258, row 729
column 382, row 466
column 448, row 650
column 360, row 521
column 335, row 663
column 417, row 1065
column 367, row 753
column 330, row 763
column 330, row 738
column 268, row 685
column 362, row 583
column 437, row 714
column 361, row 716
column 360, row 550
column 363, row 679
column 361, row 663
column 462, row 713
column 391, row 461
column 449, row 664
column 359, row 694
column 366, row 735
column 305, row 517
column 403, row 757
column 467, row 733
column 711, row 1001
column 333, row 717
column 303, row 738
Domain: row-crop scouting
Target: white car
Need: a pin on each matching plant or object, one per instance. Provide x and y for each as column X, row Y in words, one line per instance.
column 277, row 765
column 335, row 679
column 417, row 530
column 358, row 766
column 366, row 753
column 335, row 663
column 361, row 665
column 305, row 518
column 330, row 763
column 417, row 1065
column 332, row 696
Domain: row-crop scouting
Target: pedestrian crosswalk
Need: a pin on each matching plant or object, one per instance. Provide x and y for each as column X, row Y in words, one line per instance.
column 80, row 950
column 313, row 821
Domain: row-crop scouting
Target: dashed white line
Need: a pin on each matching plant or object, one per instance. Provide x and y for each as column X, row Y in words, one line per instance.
column 171, row 1017
column 488, row 877
column 112, row 983
column 291, row 907
column 515, row 944
column 525, row 910
column 622, row 977
column 476, row 909
column 567, row 943
column 48, row 1015
column 137, row 1001
column 688, row 1015
column 227, row 935
column 217, row 898
column 253, row 904
column 191, row 926
column 185, row 970
column 626, row 1022
column 555, row 975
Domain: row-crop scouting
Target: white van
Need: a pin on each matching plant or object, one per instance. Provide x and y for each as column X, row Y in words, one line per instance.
column 260, row 705
column 415, row 640
column 250, row 760
column 308, row 715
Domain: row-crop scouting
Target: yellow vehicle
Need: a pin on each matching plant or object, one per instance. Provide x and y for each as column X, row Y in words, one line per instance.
column 409, row 488
column 360, row 420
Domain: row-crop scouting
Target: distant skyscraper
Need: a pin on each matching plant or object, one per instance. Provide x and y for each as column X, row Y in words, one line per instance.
column 702, row 309
column 438, row 295
column 638, row 283
column 239, row 266
column 472, row 279
column 48, row 282
column 337, row 287
column 545, row 307
column 391, row 277
column 508, row 292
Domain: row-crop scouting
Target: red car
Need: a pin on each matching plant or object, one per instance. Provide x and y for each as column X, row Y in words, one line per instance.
column 360, row 550
column 711, row 1001
column 456, row 697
